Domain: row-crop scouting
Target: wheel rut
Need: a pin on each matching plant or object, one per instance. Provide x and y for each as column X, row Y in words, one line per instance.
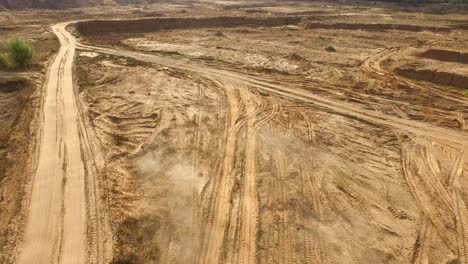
column 228, row 229
column 61, row 221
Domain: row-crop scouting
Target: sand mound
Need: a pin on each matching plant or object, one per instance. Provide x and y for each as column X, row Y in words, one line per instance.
column 446, row 55
column 52, row 4
column 434, row 76
column 219, row 34
column 98, row 27
column 296, row 57
column 373, row 27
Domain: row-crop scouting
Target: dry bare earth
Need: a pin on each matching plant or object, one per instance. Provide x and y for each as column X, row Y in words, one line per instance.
column 64, row 212
column 15, row 4
column 20, row 100
column 264, row 149
column 210, row 164
column 16, row 96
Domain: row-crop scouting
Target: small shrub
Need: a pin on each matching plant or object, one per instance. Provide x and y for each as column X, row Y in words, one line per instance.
column 20, row 52
column 3, row 61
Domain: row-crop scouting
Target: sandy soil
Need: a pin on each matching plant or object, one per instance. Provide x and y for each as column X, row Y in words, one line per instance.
column 61, row 206
column 257, row 144
column 20, row 100
column 252, row 133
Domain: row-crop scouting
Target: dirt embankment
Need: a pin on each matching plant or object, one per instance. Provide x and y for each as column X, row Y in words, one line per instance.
column 374, row 27
column 54, row 4
column 434, row 76
column 446, row 55
column 19, row 102
column 13, row 96
column 155, row 24
column 461, row 26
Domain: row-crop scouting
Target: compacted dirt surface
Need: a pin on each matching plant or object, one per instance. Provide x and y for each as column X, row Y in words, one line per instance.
column 56, row 229
column 247, row 132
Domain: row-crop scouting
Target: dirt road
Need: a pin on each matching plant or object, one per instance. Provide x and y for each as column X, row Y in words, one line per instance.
column 63, row 198
column 56, row 229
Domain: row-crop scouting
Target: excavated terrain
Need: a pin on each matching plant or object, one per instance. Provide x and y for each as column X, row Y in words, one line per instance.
column 281, row 138
column 243, row 132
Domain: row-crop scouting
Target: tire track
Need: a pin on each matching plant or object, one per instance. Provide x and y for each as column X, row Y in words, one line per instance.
column 67, row 220
column 421, row 172
column 196, row 184
column 56, row 226
column 426, row 237
column 247, row 114
column 317, row 244
column 461, row 212
column 372, row 66
column 449, row 136
column 283, row 239
column 423, row 190
column 99, row 244
column 249, row 202
column 438, row 193
column 222, row 187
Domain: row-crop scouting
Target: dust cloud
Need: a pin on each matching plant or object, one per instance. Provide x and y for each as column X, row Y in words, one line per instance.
column 173, row 174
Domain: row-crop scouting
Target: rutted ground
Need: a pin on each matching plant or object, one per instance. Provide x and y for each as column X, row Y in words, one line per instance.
column 288, row 136
column 67, row 221
column 219, row 158
column 361, row 72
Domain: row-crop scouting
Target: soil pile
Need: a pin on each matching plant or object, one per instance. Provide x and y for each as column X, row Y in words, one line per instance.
column 99, row 27
column 19, row 4
column 373, row 27
column 434, row 76
column 446, row 55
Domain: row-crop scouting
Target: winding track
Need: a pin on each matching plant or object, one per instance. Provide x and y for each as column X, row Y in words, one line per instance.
column 66, row 221
column 56, row 228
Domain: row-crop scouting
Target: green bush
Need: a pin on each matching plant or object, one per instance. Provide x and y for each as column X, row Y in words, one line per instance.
column 3, row 61
column 20, row 52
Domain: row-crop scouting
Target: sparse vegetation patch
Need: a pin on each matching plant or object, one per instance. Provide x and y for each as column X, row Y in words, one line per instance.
column 3, row 61
column 19, row 54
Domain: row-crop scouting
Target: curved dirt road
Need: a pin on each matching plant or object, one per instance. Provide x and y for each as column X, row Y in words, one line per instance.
column 56, row 228
column 65, row 216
